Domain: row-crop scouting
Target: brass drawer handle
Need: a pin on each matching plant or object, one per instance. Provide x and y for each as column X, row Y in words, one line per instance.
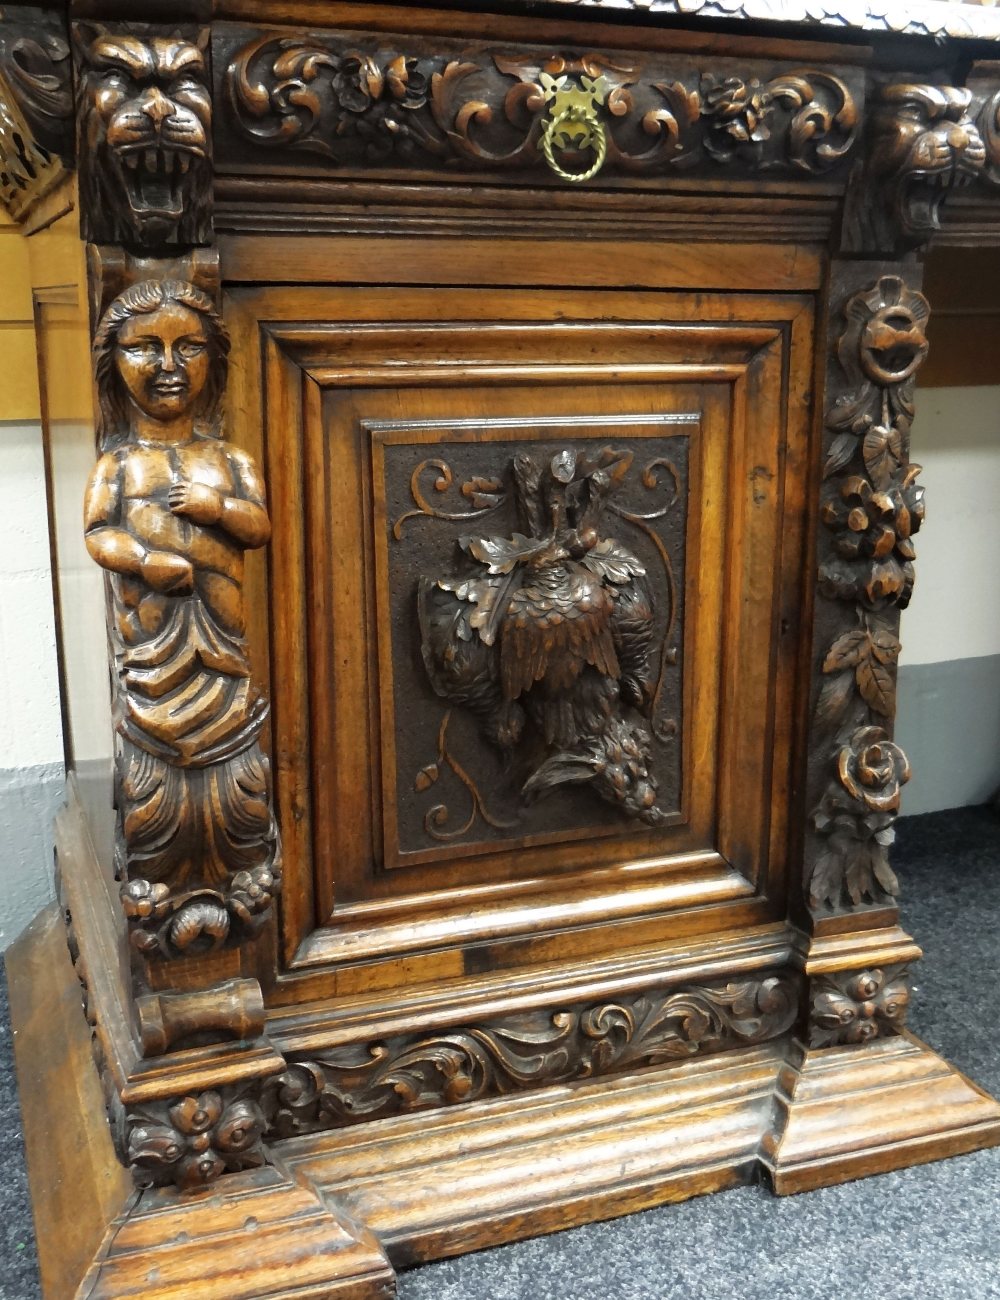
column 575, row 122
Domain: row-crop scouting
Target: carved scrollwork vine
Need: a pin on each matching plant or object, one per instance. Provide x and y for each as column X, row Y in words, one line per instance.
column 492, row 109
column 871, row 509
column 532, row 1050
column 853, row 1007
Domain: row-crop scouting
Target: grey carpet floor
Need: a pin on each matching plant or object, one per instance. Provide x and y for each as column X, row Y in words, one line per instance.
column 929, row 1233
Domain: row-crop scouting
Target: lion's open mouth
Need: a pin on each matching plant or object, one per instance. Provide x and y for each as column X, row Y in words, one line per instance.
column 926, row 191
column 154, row 179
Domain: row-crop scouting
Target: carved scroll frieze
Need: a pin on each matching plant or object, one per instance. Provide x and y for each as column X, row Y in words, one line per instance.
column 532, row 1050
column 547, row 636
column 855, row 1007
column 359, row 104
column 36, row 111
column 871, row 508
column 191, row 1141
column 170, row 509
column 925, row 144
column 145, row 136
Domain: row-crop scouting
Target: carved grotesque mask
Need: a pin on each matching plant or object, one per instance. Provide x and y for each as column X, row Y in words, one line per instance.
column 145, row 171
column 926, row 144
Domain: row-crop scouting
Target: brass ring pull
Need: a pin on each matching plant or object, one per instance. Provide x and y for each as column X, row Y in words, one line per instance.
column 581, row 129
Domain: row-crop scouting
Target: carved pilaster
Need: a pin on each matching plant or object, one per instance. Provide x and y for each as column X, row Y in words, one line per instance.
column 170, row 510
column 870, row 509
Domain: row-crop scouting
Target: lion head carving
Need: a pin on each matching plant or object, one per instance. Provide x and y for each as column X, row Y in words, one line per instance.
column 925, row 145
column 145, row 147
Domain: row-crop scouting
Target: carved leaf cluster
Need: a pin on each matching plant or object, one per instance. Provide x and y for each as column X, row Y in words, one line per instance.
column 852, row 1007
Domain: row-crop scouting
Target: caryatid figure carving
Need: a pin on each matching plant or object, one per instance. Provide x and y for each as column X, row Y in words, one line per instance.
column 170, row 510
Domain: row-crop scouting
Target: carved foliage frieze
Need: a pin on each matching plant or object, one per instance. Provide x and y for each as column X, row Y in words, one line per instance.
column 145, row 135
column 855, row 1007
column 359, row 104
column 871, row 508
column 170, row 510
column 531, row 1050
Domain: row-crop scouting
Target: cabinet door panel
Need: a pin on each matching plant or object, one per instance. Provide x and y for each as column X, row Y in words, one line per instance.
column 467, row 480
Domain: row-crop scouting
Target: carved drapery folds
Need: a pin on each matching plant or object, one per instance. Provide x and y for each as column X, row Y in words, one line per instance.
column 396, row 106
column 170, row 510
column 871, row 508
column 857, row 1006
column 547, row 636
column 531, row 1050
column 144, row 121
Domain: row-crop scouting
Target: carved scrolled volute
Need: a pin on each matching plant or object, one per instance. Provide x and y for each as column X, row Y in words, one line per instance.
column 924, row 143
column 857, row 1006
column 546, row 636
column 871, row 508
column 170, row 510
column 145, row 136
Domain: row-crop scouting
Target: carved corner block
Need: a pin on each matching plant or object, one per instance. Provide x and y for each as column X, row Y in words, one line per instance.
column 36, row 109
column 144, row 122
column 925, row 143
column 871, row 507
column 170, row 510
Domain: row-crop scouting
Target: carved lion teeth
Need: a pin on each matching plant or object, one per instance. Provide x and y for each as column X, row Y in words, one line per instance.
column 132, row 160
column 183, row 162
column 151, row 160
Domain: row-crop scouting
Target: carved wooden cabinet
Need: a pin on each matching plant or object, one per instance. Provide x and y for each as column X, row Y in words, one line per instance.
column 497, row 476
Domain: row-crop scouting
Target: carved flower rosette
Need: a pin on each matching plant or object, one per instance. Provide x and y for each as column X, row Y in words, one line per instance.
column 870, row 510
column 849, row 1007
column 193, row 1140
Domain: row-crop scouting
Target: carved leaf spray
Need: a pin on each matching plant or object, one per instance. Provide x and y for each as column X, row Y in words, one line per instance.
column 547, row 636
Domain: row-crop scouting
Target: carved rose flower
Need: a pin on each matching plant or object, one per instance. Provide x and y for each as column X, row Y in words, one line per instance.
column 872, row 768
column 252, row 892
column 203, row 1138
column 872, row 532
column 738, row 109
column 859, row 1008
column 144, row 901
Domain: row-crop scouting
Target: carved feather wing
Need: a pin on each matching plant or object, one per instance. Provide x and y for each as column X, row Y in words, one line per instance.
column 553, row 628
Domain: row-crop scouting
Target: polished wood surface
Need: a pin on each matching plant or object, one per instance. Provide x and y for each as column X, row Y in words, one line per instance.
column 503, row 489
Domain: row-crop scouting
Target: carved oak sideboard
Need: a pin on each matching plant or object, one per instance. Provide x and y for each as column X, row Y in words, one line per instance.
column 496, row 516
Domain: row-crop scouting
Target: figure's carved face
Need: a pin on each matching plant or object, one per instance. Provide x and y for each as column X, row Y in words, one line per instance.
column 926, row 145
column 163, row 360
column 145, row 156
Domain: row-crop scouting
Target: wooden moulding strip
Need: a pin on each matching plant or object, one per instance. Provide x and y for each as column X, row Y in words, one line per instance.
column 475, row 998
column 445, row 1183
column 887, row 945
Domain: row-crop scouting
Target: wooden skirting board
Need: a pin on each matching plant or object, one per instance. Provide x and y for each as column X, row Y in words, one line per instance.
column 330, row 1211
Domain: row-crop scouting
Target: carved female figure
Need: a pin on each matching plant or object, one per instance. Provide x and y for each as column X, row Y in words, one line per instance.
column 170, row 510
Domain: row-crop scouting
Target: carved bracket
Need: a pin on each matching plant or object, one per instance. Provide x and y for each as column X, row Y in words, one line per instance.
column 36, row 110
column 855, row 1007
column 924, row 144
column 145, row 135
column 871, row 508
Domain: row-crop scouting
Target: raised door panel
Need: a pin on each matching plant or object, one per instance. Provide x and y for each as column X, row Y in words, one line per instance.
column 455, row 477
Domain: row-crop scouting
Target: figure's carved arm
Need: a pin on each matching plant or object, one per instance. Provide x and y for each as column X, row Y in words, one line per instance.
column 115, row 548
column 243, row 517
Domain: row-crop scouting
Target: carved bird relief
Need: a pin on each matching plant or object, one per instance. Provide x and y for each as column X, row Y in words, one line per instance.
column 546, row 636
